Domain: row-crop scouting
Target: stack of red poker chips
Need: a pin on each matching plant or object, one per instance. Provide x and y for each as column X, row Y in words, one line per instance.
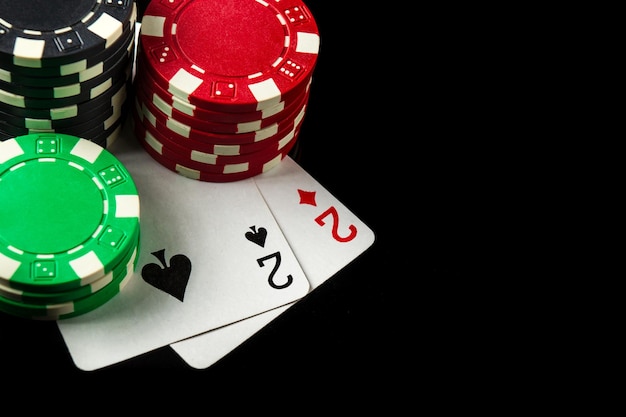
column 221, row 88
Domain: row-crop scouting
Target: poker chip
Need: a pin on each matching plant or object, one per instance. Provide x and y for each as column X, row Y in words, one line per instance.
column 89, row 92
column 219, row 122
column 70, row 31
column 208, row 162
column 37, row 79
column 38, row 298
column 174, row 106
column 57, row 311
column 235, row 56
column 53, row 91
column 69, row 119
column 219, row 133
column 226, row 145
column 221, row 89
column 71, row 65
column 201, row 175
column 70, row 215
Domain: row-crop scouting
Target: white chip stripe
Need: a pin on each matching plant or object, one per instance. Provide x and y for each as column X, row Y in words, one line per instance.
column 149, row 116
column 28, row 48
column 271, row 164
column 9, row 149
column 161, row 105
column 5, row 76
column 91, row 72
column 12, row 99
column 108, row 28
column 307, row 43
column 130, row 269
column 188, row 172
column 178, row 127
column 87, row 150
column 8, row 266
column 67, row 90
column 271, row 111
column 12, row 293
column 127, row 206
column 87, row 266
column 55, row 310
column 203, row 157
column 236, row 168
column 266, row 132
column 249, row 126
column 75, row 165
column 284, row 141
column 73, row 68
column 266, row 93
column 110, row 121
column 227, row 150
column 102, row 282
column 184, row 83
column 64, row 112
column 300, row 116
column 17, row 166
column 154, row 143
column 59, row 31
column 40, row 124
column 152, row 26
column 16, row 250
column 101, row 88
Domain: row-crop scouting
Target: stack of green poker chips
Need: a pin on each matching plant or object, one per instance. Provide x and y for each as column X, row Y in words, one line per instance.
column 69, row 226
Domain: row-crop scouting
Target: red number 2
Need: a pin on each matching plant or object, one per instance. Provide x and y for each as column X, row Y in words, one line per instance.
column 333, row 212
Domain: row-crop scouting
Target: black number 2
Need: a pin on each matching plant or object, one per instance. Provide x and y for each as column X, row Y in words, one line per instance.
column 270, row 279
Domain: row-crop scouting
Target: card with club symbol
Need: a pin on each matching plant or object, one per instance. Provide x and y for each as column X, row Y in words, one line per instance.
column 211, row 254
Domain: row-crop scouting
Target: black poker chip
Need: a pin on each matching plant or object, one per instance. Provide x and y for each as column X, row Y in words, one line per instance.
column 18, row 79
column 69, row 72
column 70, row 30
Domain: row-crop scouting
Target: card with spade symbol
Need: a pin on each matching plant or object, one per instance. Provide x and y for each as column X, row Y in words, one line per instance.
column 323, row 233
column 211, row 254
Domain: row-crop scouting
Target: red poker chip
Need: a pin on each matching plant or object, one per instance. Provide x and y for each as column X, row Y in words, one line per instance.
column 191, row 145
column 209, row 176
column 229, row 56
column 175, row 106
column 163, row 111
column 194, row 158
column 162, row 121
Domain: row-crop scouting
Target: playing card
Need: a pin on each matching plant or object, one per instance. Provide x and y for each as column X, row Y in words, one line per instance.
column 210, row 254
column 322, row 232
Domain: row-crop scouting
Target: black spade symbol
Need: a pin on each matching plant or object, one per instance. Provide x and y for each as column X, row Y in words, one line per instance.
column 257, row 236
column 171, row 279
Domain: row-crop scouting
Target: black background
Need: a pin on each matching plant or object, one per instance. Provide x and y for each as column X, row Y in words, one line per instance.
column 381, row 134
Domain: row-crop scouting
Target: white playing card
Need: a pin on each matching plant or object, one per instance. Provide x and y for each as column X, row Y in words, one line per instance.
column 322, row 232
column 230, row 275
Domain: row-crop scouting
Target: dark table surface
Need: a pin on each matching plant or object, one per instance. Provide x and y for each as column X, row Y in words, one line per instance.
column 380, row 141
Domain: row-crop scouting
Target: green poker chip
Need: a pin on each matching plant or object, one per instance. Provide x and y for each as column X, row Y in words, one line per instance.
column 69, row 212
column 45, row 298
column 74, row 308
